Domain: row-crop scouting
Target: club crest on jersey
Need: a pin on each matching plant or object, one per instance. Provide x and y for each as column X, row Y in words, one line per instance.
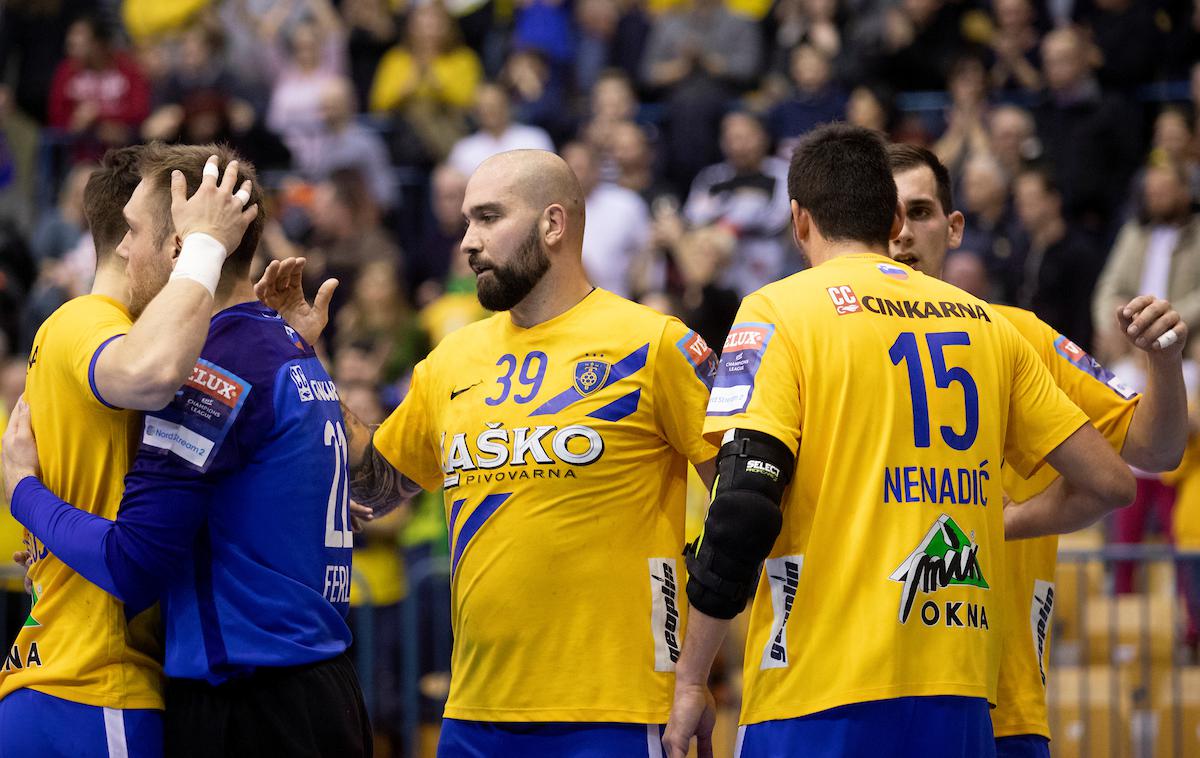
column 946, row 557
column 844, row 299
column 895, row 272
column 1079, row 358
column 590, row 374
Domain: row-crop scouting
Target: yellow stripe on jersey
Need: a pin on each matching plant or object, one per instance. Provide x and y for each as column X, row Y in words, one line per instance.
column 564, row 450
column 1029, row 598
column 76, row 644
column 901, row 395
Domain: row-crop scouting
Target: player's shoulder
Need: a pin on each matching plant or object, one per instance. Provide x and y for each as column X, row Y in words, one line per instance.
column 466, row 339
column 86, row 312
column 252, row 341
column 1026, row 322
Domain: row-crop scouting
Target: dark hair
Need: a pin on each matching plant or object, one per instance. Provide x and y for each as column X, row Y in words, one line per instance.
column 158, row 160
column 905, row 157
column 100, row 29
column 840, row 175
column 104, row 198
column 1045, row 176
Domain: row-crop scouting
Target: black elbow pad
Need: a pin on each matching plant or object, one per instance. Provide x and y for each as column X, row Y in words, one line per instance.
column 753, row 470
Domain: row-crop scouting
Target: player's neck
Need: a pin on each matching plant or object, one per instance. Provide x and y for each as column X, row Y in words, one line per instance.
column 233, row 291
column 111, row 282
column 826, row 251
column 554, row 295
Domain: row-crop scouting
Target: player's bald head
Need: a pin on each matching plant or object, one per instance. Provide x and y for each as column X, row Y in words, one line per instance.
column 536, row 179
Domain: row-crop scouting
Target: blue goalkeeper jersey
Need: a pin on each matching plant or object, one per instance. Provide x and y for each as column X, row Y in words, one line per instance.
column 235, row 509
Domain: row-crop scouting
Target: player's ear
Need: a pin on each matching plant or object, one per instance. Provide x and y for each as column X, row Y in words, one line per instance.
column 554, row 225
column 957, row 222
column 800, row 224
column 178, row 247
column 898, row 220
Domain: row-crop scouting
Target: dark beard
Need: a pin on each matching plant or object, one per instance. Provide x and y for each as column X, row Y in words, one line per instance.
column 508, row 286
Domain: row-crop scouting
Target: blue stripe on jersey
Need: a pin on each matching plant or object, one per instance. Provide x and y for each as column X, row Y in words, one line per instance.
column 92, row 372
column 620, row 408
column 475, row 522
column 627, row 366
column 455, row 508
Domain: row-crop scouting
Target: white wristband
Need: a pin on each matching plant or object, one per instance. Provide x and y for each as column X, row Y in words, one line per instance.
column 200, row 260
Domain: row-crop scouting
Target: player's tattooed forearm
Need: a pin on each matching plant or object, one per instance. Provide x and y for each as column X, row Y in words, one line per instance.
column 377, row 484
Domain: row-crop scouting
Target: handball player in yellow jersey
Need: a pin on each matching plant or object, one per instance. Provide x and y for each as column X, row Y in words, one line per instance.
column 864, row 410
column 82, row 679
column 561, row 429
column 1149, row 430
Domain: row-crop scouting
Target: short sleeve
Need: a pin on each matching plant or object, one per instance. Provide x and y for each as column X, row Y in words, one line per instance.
column 405, row 438
column 1107, row 401
column 1040, row 415
column 759, row 382
column 684, row 370
column 95, row 326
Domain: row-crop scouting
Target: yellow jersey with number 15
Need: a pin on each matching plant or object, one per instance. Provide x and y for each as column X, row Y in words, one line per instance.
column 1021, row 697
column 900, row 396
column 563, row 450
column 77, row 643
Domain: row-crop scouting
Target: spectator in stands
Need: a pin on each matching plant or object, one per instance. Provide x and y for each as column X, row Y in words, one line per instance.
column 633, row 159
column 991, row 226
column 870, row 108
column 346, row 233
column 965, row 133
column 456, row 306
column 378, row 312
column 379, row 587
column 700, row 57
column 1173, row 143
column 805, row 23
column 813, row 98
column 428, row 81
column 1127, row 39
column 371, row 31
column 747, row 193
column 32, row 38
column 968, row 271
column 537, row 90
column 19, row 141
column 1089, row 136
column 1012, row 136
column 1055, row 269
column 60, row 228
column 920, row 39
column 1014, row 47
column 312, row 54
column 1157, row 254
column 201, row 101
column 612, row 102
column 431, row 262
column 700, row 257
column 99, row 95
column 346, row 144
column 497, row 132
column 597, row 22
column 618, row 225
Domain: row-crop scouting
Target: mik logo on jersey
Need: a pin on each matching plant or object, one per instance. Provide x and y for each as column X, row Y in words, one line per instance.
column 946, row 557
column 549, row 447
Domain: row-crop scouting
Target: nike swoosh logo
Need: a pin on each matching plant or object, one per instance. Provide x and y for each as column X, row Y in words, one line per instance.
column 456, row 393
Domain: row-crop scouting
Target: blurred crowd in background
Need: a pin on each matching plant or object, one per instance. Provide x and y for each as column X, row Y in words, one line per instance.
column 1069, row 126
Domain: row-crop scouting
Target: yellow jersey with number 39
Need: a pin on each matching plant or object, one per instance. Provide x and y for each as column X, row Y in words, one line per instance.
column 1021, row 697
column 77, row 643
column 563, row 450
column 900, row 396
